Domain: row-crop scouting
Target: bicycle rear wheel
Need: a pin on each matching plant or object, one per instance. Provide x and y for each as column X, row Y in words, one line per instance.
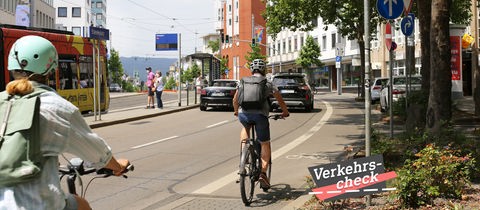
column 247, row 181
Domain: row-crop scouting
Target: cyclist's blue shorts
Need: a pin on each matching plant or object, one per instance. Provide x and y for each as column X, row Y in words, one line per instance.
column 262, row 126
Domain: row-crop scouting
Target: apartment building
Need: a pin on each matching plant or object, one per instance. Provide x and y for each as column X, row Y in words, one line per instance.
column 34, row 13
column 78, row 16
column 240, row 21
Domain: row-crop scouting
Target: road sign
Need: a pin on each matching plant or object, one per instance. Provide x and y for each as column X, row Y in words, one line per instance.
column 388, row 35
column 390, row 9
column 338, row 61
column 407, row 5
column 408, row 24
column 339, row 51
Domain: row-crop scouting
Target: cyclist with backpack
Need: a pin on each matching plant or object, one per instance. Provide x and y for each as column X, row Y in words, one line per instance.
column 48, row 125
column 251, row 106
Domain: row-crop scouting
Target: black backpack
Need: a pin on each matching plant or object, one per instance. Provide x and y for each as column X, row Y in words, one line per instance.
column 252, row 93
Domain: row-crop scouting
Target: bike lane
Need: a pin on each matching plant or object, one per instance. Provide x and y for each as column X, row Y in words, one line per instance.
column 339, row 123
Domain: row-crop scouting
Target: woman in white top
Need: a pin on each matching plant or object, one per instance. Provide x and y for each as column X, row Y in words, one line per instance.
column 62, row 129
column 159, row 89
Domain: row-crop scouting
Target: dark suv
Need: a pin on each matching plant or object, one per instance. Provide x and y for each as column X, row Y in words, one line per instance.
column 295, row 91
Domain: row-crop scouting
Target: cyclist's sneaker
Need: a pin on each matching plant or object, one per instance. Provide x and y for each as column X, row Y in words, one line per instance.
column 264, row 182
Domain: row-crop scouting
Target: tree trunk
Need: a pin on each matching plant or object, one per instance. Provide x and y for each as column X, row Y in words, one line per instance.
column 424, row 17
column 439, row 101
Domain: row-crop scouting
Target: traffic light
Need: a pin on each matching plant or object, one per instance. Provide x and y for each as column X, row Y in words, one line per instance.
column 222, row 37
column 227, row 39
column 253, row 41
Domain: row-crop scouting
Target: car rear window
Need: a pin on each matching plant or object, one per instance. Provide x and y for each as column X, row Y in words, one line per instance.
column 225, row 84
column 283, row 81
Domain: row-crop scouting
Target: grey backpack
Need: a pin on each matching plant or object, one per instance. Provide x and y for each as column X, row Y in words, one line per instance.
column 252, row 93
column 20, row 156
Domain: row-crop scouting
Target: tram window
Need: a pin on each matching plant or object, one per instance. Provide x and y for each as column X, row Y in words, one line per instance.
column 86, row 75
column 68, row 77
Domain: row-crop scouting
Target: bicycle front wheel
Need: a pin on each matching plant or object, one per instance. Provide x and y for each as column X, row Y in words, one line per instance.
column 247, row 181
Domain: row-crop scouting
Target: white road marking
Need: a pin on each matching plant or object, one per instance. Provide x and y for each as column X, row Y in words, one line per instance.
column 154, row 142
column 216, row 124
column 214, row 186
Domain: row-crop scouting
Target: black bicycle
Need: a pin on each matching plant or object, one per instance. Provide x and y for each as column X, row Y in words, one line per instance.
column 76, row 167
column 251, row 165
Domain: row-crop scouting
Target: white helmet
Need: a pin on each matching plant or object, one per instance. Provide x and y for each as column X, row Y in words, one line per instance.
column 258, row 65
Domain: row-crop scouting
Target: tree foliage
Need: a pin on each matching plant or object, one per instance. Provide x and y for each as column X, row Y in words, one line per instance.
column 309, row 54
column 214, row 45
column 254, row 54
column 191, row 73
column 115, row 67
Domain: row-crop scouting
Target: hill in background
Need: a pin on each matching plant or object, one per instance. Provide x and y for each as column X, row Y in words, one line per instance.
column 131, row 64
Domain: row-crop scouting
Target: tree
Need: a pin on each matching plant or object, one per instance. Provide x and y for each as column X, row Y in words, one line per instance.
column 254, row 54
column 115, row 67
column 191, row 73
column 309, row 55
column 346, row 15
column 214, row 45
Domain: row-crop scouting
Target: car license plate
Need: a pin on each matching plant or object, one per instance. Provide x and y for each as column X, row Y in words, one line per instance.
column 287, row 91
column 218, row 94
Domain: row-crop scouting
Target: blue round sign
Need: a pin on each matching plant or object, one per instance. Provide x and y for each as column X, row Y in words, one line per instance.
column 390, row 9
column 408, row 24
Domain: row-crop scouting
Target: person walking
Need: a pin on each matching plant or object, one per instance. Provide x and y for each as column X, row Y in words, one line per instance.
column 62, row 129
column 151, row 91
column 158, row 85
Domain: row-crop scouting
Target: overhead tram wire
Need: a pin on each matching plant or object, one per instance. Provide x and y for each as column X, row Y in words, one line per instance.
column 170, row 18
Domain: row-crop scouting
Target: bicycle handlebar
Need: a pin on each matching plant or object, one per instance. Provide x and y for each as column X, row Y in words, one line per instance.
column 77, row 165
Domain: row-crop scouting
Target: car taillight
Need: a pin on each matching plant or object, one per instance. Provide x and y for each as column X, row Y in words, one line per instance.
column 397, row 91
column 203, row 92
column 377, row 87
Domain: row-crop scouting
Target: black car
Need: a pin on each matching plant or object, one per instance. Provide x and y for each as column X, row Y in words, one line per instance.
column 295, row 91
column 220, row 94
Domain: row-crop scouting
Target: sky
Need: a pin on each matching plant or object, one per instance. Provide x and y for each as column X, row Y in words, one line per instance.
column 134, row 23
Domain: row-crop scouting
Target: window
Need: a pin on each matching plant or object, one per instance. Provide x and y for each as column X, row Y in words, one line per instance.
column 76, row 12
column 62, row 12
column 324, row 42
column 99, row 4
column 77, row 31
column 278, row 49
column 295, row 45
column 334, row 40
column 99, row 16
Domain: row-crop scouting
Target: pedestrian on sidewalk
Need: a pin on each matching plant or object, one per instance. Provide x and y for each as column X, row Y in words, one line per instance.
column 158, row 85
column 150, row 81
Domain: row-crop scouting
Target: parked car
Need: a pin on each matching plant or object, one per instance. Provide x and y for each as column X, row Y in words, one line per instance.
column 295, row 91
column 399, row 89
column 220, row 94
column 376, row 88
column 115, row 87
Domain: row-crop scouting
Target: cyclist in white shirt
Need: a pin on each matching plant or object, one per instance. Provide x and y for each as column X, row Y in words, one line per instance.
column 62, row 129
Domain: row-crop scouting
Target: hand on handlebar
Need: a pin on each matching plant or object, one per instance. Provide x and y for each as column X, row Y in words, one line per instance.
column 285, row 114
column 124, row 167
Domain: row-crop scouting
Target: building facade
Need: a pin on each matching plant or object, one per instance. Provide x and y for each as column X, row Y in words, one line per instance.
column 33, row 13
column 240, row 22
column 78, row 16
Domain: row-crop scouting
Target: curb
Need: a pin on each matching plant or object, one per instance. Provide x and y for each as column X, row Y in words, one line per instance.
column 113, row 122
column 298, row 203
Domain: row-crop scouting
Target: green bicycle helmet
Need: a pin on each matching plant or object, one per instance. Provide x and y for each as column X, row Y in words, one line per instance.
column 34, row 54
column 258, row 65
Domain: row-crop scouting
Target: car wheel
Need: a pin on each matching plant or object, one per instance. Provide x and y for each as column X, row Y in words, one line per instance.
column 203, row 108
column 308, row 108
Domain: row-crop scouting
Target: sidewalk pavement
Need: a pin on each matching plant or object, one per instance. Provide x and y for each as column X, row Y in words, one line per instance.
column 137, row 113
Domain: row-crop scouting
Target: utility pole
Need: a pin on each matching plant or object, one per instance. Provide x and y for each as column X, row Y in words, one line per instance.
column 368, row 101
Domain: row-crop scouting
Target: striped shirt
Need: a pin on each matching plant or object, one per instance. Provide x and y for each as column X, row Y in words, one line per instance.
column 63, row 130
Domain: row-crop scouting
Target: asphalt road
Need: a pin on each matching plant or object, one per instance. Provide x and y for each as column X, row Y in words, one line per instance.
column 189, row 160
